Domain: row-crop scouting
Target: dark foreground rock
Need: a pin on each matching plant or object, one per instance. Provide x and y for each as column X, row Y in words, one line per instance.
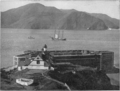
column 8, row 81
column 85, row 80
column 51, row 80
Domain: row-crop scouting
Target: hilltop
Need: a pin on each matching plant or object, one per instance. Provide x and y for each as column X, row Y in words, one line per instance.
column 38, row 16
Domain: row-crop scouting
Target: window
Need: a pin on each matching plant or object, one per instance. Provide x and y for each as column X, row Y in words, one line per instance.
column 16, row 63
column 38, row 61
column 22, row 59
column 15, row 58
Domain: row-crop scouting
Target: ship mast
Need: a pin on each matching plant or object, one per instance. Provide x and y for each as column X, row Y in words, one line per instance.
column 55, row 32
column 62, row 33
column 58, row 33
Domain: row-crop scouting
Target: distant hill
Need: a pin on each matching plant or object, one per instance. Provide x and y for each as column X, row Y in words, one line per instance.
column 32, row 16
column 38, row 16
column 81, row 20
column 99, row 25
column 110, row 22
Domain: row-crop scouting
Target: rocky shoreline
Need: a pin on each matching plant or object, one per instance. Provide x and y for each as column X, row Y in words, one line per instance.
column 54, row 80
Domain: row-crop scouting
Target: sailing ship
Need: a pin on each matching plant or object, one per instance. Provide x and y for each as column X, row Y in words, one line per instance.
column 57, row 36
column 30, row 37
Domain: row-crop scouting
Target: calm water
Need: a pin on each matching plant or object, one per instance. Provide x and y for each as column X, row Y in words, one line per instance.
column 15, row 41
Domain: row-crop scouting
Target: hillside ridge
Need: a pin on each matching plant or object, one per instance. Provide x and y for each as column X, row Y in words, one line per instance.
column 38, row 16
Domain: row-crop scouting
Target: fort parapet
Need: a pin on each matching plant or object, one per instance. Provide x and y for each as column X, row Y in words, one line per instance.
column 102, row 60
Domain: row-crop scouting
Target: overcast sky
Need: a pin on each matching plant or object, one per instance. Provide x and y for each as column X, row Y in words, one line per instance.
column 109, row 7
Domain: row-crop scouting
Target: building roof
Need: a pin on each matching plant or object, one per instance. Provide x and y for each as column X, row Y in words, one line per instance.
column 23, row 55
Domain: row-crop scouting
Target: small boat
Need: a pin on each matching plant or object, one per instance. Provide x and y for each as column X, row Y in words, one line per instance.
column 24, row 81
column 62, row 39
column 31, row 37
